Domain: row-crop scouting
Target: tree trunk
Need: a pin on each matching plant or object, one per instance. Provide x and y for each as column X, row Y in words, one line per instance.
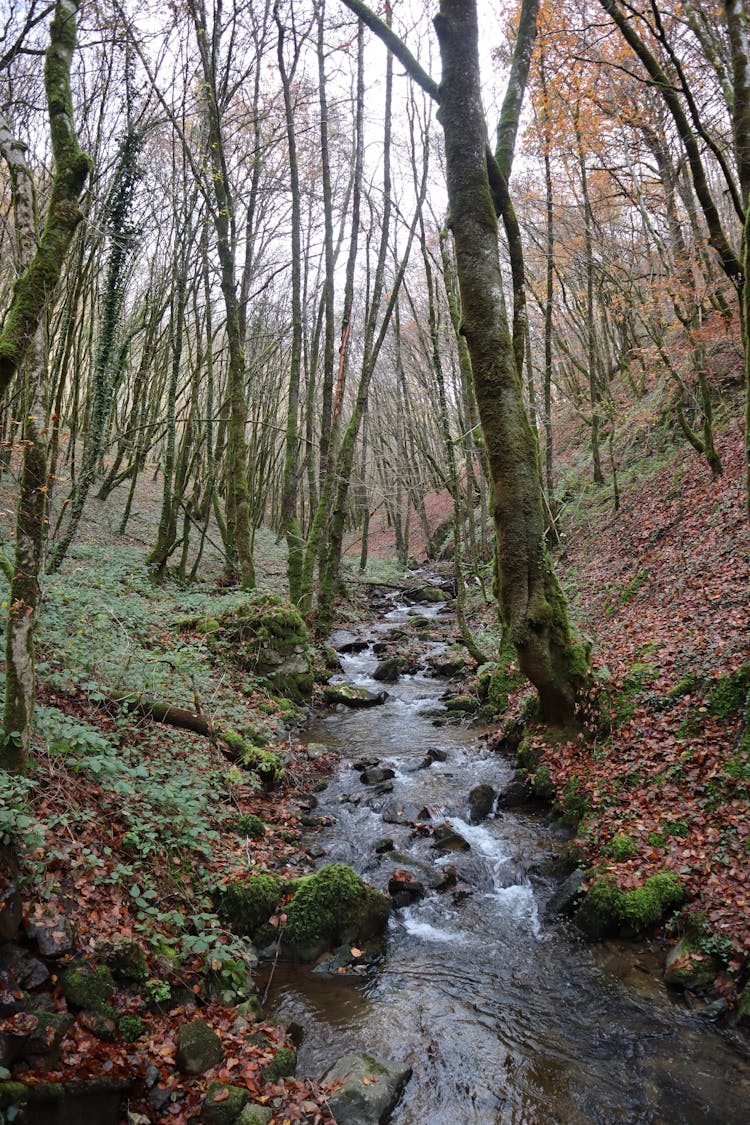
column 532, row 605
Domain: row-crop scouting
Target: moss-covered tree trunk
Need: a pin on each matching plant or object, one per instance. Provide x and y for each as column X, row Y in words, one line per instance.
column 20, row 347
column 531, row 602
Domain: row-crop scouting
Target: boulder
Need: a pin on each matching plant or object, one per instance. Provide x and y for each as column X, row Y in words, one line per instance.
column 564, row 900
column 349, row 695
column 516, row 793
column 404, row 813
column 223, row 1104
column 282, row 1065
column 198, row 1048
column 124, row 957
column 53, row 933
column 446, row 839
column 370, row 1089
column 87, row 989
column 21, row 969
column 376, row 774
column 255, row 1114
column 268, row 638
column 404, row 888
column 331, row 907
column 689, row 968
column 481, row 801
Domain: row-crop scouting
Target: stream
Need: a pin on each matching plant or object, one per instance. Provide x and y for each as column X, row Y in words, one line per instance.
column 504, row 1016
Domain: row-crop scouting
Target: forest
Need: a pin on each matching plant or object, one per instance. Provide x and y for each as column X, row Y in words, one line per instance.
column 374, row 559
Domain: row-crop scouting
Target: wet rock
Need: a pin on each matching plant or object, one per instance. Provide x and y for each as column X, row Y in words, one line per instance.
column 447, row 664
column 481, row 801
column 383, row 845
column 315, row 750
column 198, row 1048
column 11, row 906
column 21, row 969
column 689, row 968
column 389, row 670
column 351, row 645
column 398, row 813
column 349, row 695
column 376, row 774
column 53, row 933
column 461, row 704
column 34, row 1036
column 370, row 1089
column 449, row 879
column 715, row 1010
column 564, row 900
column 436, row 754
column 124, row 956
column 509, row 737
column 404, row 888
column 329, row 908
column 446, row 839
column 515, row 794
column 223, row 1104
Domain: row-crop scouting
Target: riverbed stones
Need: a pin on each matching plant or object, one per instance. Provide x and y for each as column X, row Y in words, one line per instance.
column 481, row 802
column 376, row 774
column 370, row 1089
column 565, row 898
column 404, row 888
column 446, row 839
column 689, row 968
column 198, row 1048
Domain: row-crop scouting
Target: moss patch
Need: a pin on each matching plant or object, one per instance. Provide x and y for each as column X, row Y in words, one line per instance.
column 330, row 907
column 247, row 904
column 606, row 909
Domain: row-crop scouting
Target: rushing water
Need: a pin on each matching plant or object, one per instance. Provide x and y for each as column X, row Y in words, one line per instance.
column 504, row 1017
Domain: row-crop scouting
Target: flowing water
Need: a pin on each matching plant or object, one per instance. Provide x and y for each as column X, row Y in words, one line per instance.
column 503, row 1016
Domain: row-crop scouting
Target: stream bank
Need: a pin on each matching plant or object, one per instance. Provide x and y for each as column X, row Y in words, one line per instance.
column 502, row 1013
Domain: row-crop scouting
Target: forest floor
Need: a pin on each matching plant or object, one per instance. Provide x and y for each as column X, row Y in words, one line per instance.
column 131, row 826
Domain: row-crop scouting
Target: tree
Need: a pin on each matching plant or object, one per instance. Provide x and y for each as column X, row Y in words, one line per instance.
column 532, row 606
column 20, row 345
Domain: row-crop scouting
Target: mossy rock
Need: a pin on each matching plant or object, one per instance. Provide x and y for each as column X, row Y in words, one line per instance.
column 621, row 847
column 198, row 1048
column 330, row 907
column 282, row 1065
column 247, row 904
column 730, row 694
column 250, row 825
column 462, row 705
column 223, row 1104
column 606, row 909
column 689, row 968
column 88, row 989
column 267, row 638
column 389, row 670
column 124, row 957
column 255, row 1114
column 351, row 695
column 541, row 785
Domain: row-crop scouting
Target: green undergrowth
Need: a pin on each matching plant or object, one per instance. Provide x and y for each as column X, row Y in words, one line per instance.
column 606, row 909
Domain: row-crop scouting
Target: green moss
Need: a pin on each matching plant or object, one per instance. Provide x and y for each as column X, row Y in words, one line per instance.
column 730, row 694
column 332, row 906
column 574, row 804
column 131, row 1028
column 644, row 907
column 13, row 1094
column 606, row 909
column 88, row 989
column 250, row 825
column 541, row 784
column 223, row 1104
column 688, row 685
column 462, row 705
column 621, row 847
column 247, row 904
column 282, row 1065
column 625, row 701
column 528, row 755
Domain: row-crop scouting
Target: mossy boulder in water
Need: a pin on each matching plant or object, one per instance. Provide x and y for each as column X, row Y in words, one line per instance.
column 247, row 904
column 269, row 639
column 350, row 695
column 330, row 907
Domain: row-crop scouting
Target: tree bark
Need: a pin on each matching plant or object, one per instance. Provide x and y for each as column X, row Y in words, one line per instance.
column 532, row 605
